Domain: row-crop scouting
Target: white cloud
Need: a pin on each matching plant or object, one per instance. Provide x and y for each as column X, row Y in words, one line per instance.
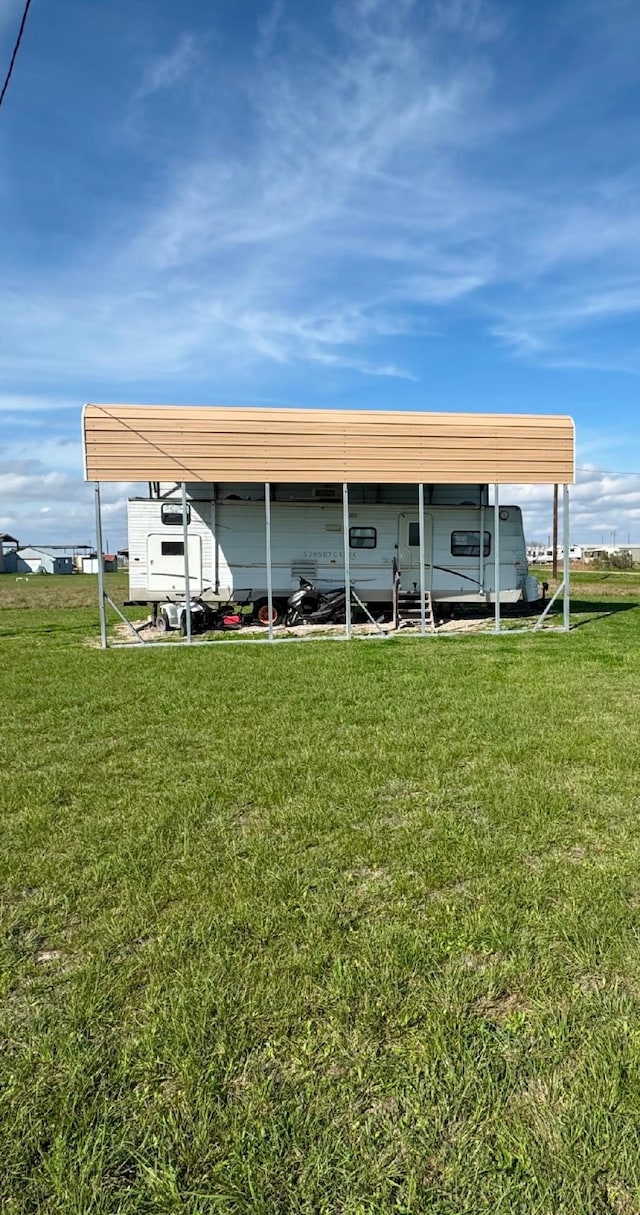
column 68, row 514
column 600, row 504
column 379, row 173
column 172, row 69
column 344, row 203
column 483, row 21
column 19, row 403
column 268, row 27
column 10, row 16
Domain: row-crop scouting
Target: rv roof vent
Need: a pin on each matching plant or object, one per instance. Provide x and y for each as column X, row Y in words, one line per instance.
column 304, row 569
column 330, row 493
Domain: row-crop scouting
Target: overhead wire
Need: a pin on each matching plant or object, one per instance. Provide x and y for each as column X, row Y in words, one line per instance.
column 15, row 51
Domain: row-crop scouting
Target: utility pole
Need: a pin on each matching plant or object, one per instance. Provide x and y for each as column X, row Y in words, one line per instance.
column 555, row 534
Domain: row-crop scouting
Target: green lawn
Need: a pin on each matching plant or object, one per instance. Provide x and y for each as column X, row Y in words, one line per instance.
column 331, row 929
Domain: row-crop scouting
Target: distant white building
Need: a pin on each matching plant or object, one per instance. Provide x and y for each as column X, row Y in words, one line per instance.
column 89, row 565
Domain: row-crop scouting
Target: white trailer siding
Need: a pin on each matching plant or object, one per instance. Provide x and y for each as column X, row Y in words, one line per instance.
column 144, row 521
column 306, row 539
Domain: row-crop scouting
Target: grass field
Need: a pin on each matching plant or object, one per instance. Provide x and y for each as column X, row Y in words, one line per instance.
column 347, row 929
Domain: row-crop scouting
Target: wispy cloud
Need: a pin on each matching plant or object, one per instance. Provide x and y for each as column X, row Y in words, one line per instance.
column 319, row 214
column 483, row 21
column 353, row 186
column 172, row 69
column 19, row 403
column 10, row 14
column 268, row 27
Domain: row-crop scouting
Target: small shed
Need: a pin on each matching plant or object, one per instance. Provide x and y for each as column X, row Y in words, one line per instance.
column 89, row 565
column 29, row 560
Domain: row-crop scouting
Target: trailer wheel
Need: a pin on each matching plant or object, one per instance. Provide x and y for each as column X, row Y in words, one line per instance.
column 261, row 612
column 162, row 624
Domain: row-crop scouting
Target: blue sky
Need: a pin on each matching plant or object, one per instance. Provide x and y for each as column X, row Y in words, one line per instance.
column 427, row 205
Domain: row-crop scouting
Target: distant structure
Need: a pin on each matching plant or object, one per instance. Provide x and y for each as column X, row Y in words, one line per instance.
column 39, row 558
column 29, row 560
column 89, row 564
column 598, row 552
column 539, row 554
column 5, row 538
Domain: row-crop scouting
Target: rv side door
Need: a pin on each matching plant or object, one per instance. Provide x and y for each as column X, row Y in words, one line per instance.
column 409, row 546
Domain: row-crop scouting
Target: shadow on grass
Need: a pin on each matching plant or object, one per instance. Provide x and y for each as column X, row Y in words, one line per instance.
column 599, row 609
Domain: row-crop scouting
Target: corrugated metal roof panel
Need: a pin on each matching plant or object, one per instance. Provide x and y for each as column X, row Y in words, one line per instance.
column 230, row 443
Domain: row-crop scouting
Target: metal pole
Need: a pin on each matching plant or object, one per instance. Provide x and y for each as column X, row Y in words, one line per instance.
column 543, row 616
column 554, row 563
column 103, row 610
column 566, row 540
column 423, row 616
column 267, row 539
column 187, row 579
column 496, row 551
column 347, row 568
column 481, row 571
column 214, row 536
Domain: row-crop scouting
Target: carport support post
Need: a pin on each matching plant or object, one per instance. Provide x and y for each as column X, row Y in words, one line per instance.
column 185, row 545
column 481, row 571
column 267, row 539
column 347, row 567
column 566, row 541
column 496, row 550
column 423, row 617
column 103, row 608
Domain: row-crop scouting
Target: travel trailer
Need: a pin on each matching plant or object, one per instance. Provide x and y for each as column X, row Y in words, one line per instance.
column 227, row 551
column 544, row 556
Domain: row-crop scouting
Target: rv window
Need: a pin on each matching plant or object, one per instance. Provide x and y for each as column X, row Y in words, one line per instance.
column 171, row 514
column 467, row 544
column 362, row 537
column 414, row 535
column 172, row 548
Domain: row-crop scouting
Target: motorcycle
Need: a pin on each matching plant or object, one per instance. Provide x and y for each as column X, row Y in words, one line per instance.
column 309, row 605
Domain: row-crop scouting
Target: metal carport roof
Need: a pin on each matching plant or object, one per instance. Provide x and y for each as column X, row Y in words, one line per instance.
column 231, row 443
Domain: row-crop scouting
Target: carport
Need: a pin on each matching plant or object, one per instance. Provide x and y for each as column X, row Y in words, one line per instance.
column 187, row 444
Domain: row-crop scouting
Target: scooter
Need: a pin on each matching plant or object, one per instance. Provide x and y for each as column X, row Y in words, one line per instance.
column 309, row 605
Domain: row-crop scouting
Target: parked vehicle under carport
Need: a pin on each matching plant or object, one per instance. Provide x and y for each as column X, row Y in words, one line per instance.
column 172, row 617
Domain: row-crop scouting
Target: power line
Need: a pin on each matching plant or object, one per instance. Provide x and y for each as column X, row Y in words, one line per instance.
column 15, row 50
